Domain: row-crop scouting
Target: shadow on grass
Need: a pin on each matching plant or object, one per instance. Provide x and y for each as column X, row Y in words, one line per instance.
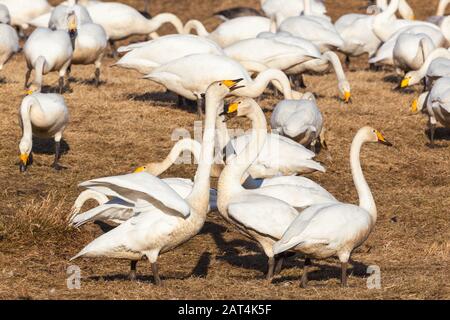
column 47, row 146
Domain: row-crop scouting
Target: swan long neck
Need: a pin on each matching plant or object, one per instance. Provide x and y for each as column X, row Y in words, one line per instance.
column 442, row 7
column 366, row 200
column 223, row 136
column 199, row 197
column 38, row 72
column 437, row 53
column 186, row 144
column 382, row 4
column 230, row 179
column 25, row 118
column 391, row 8
column 197, row 26
column 337, row 65
column 86, row 196
column 307, row 7
column 157, row 21
column 257, row 87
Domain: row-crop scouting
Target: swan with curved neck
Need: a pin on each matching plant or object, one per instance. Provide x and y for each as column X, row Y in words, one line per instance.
column 23, row 11
column 335, row 229
column 264, row 213
column 414, row 77
column 190, row 76
column 44, row 116
column 164, row 220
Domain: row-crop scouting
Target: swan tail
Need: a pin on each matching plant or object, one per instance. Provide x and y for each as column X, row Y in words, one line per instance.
column 312, row 166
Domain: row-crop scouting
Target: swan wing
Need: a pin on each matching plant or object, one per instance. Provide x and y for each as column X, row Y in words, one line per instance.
column 140, row 186
column 265, row 215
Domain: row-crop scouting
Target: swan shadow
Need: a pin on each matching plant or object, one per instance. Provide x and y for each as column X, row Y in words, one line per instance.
column 3, row 80
column 326, row 272
column 201, row 268
column 441, row 133
column 87, row 82
column 161, row 97
column 47, row 146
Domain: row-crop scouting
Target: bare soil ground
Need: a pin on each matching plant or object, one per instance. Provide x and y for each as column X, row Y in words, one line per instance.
column 128, row 122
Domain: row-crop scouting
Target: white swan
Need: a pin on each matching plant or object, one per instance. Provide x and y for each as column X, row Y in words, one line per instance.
column 46, row 51
column 274, row 54
column 9, row 43
column 44, row 116
column 440, row 12
column 385, row 24
column 322, row 65
column 190, row 76
column 164, row 220
column 335, row 229
column 121, row 21
column 437, row 104
column 412, row 43
column 90, row 43
column 117, row 212
column 232, row 31
column 300, row 120
column 263, row 213
column 23, row 11
column 146, row 56
column 317, row 30
column 414, row 77
column 291, row 8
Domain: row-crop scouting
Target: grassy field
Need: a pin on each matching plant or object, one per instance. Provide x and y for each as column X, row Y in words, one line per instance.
column 128, row 122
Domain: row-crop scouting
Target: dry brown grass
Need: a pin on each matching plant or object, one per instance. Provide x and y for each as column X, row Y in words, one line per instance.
column 129, row 121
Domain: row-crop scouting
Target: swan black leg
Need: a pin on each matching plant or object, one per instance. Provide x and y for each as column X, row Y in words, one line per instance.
column 279, row 265
column 112, row 44
column 432, row 133
column 61, row 85
column 132, row 274
column 344, row 274
column 55, row 165
column 200, row 103
column 27, row 78
column 97, row 77
column 156, row 274
column 304, row 280
column 347, row 62
column 271, row 265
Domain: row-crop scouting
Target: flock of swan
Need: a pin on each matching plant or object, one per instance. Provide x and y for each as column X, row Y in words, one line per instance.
column 260, row 188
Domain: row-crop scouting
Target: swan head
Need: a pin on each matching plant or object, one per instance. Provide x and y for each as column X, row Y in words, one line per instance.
column 345, row 91
column 25, row 152
column 72, row 25
column 410, row 79
column 220, row 89
column 242, row 107
column 151, row 168
column 418, row 104
column 372, row 135
column 33, row 88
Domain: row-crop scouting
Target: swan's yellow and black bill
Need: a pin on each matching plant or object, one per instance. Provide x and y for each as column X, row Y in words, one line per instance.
column 382, row 139
column 228, row 110
column 233, row 84
column 414, row 106
column 347, row 96
column 404, row 83
column 29, row 92
column 23, row 162
column 140, row 169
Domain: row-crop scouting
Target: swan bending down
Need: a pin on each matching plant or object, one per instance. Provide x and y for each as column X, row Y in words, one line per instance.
column 60, row 14
column 190, row 76
column 163, row 220
column 116, row 211
column 436, row 104
column 146, row 56
column 300, row 120
column 9, row 43
column 232, row 31
column 322, row 65
column 44, row 116
column 414, row 77
column 263, row 214
column 335, row 229
column 46, row 51
column 121, row 21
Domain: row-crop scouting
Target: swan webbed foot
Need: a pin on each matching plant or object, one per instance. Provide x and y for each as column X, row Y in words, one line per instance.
column 344, row 274
column 304, row 280
column 156, row 277
column 132, row 274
